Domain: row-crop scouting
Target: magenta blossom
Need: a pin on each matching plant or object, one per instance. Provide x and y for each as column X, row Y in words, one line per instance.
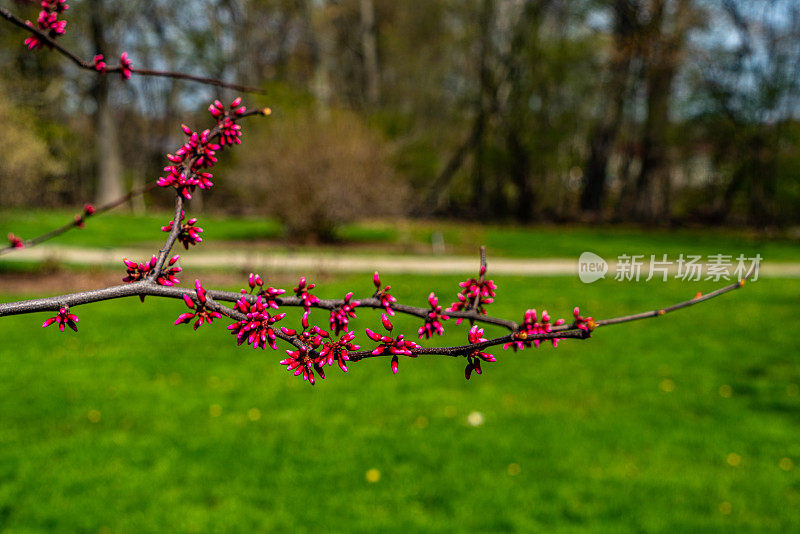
column 302, row 291
column 63, row 318
column 167, row 276
column 391, row 345
column 433, row 321
column 383, row 294
column 313, row 338
column 15, row 241
column 201, row 311
column 140, row 271
column 338, row 351
column 304, row 361
column 257, row 327
column 48, row 22
column 186, row 173
column 474, row 295
column 126, row 66
column 189, row 234
column 80, row 218
column 254, row 280
column 98, row 63
column 584, row 323
column 341, row 315
column 531, row 326
column 474, row 358
column 229, row 132
column 269, row 295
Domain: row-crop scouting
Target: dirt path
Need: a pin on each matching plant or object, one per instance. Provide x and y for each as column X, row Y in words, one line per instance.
column 329, row 263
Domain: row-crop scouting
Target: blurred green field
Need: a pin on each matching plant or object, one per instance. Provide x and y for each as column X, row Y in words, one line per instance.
column 121, row 229
column 687, row 423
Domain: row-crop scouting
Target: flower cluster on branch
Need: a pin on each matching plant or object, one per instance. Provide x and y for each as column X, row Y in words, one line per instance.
column 48, row 22
column 189, row 234
column 49, row 27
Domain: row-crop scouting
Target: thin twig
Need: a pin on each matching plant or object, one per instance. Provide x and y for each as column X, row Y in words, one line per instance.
column 49, row 41
column 79, row 219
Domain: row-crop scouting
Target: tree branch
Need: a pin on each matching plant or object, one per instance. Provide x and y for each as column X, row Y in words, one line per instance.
column 80, row 218
column 49, row 41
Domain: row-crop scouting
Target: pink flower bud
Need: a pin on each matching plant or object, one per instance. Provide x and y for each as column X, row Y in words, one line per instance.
column 201, row 293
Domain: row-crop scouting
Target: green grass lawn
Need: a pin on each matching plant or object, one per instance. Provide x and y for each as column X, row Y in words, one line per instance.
column 690, row 422
column 121, row 229
column 117, row 229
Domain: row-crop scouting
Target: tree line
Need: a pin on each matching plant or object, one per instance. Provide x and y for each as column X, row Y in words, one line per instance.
column 655, row 111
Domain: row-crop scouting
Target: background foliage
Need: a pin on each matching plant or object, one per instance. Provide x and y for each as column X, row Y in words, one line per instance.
column 668, row 111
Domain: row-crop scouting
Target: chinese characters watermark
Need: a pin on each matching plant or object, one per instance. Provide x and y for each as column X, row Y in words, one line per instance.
column 685, row 267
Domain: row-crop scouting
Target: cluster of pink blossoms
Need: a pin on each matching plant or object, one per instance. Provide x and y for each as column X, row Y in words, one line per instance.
column 338, row 351
column 305, row 361
column 201, row 312
column 584, row 323
column 474, row 294
column 383, row 294
column 126, row 66
column 341, row 315
column 140, row 271
column 80, row 218
column 314, row 347
column 391, row 345
column 433, row 321
column 189, row 234
column 256, row 328
column 63, row 318
column 229, row 132
column 199, row 151
column 302, row 360
column 532, row 326
column 186, row 172
column 269, row 295
column 48, row 22
column 475, row 335
column 302, row 292
column 15, row 241
column 99, row 64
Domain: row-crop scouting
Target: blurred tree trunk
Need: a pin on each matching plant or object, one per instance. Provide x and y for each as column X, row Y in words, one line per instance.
column 602, row 138
column 479, row 193
column 666, row 32
column 474, row 143
column 109, row 163
column 323, row 39
column 369, row 44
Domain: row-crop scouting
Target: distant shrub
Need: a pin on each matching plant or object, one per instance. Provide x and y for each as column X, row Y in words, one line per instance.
column 316, row 175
